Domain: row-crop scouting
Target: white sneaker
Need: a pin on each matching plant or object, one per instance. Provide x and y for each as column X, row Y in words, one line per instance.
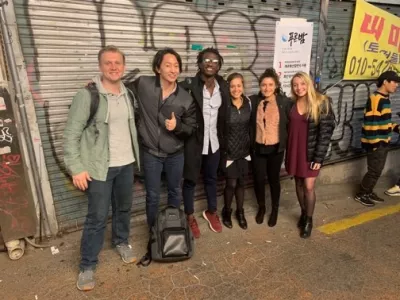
column 394, row 191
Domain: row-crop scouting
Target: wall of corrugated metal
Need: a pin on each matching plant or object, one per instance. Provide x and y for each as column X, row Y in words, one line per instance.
column 60, row 40
column 349, row 97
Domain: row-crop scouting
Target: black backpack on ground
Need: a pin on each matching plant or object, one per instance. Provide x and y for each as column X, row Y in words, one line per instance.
column 171, row 239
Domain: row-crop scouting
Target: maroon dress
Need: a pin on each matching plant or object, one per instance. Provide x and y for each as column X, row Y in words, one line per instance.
column 296, row 155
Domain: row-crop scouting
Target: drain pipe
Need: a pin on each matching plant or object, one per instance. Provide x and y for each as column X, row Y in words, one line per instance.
column 24, row 117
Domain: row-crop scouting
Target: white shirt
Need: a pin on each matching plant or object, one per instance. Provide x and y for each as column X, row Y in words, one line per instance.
column 211, row 104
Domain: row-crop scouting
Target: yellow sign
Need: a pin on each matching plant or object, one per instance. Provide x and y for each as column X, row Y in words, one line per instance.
column 374, row 45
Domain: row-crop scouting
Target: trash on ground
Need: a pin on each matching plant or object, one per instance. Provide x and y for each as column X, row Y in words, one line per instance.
column 54, row 250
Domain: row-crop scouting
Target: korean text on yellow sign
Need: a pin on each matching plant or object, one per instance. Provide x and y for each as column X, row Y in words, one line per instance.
column 374, row 45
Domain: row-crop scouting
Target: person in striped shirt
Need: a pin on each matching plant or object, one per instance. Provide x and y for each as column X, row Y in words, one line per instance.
column 376, row 134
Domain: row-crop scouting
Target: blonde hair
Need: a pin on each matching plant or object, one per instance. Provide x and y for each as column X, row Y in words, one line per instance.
column 316, row 102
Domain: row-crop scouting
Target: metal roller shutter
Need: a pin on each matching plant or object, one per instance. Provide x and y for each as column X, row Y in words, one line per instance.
column 348, row 97
column 60, row 40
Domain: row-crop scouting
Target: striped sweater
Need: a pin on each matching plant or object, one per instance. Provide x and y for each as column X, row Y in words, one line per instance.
column 377, row 126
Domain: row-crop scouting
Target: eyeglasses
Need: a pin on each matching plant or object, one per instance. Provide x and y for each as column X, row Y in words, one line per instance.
column 213, row 61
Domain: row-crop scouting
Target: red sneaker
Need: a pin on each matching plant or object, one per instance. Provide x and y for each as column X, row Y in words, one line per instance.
column 213, row 221
column 194, row 227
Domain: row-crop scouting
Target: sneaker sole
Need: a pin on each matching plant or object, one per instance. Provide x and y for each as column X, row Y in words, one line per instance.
column 392, row 194
column 377, row 201
column 133, row 260
column 209, row 223
column 365, row 204
column 84, row 288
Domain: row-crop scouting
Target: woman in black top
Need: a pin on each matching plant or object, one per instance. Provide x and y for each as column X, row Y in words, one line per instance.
column 269, row 131
column 236, row 150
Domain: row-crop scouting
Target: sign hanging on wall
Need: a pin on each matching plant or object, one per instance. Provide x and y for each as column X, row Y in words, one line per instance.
column 293, row 42
column 374, row 45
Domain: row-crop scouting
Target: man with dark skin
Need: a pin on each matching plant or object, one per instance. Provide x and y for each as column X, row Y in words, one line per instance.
column 203, row 149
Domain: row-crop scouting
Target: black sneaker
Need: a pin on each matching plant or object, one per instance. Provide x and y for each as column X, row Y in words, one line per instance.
column 374, row 197
column 364, row 199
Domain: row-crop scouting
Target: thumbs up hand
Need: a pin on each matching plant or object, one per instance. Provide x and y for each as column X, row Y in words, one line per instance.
column 170, row 124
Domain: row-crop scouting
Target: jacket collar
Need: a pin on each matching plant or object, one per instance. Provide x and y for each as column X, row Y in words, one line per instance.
column 158, row 85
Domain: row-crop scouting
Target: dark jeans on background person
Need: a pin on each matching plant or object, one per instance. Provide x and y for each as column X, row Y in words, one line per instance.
column 210, row 165
column 376, row 162
column 270, row 165
column 153, row 167
column 117, row 190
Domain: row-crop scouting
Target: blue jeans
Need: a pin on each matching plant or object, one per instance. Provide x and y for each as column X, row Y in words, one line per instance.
column 210, row 165
column 117, row 190
column 153, row 167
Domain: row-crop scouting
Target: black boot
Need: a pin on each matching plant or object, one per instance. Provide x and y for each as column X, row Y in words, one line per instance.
column 302, row 221
column 226, row 217
column 273, row 217
column 306, row 231
column 241, row 219
column 260, row 214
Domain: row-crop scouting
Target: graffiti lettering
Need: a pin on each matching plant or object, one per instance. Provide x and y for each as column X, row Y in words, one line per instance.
column 348, row 104
column 5, row 135
column 17, row 213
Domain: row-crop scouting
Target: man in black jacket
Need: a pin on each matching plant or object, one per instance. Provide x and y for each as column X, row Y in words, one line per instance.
column 167, row 117
column 202, row 150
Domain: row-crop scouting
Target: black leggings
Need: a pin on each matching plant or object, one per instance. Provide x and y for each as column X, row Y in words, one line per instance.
column 270, row 165
column 305, row 190
column 234, row 187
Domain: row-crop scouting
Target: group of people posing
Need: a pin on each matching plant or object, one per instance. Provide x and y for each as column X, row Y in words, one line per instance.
column 185, row 129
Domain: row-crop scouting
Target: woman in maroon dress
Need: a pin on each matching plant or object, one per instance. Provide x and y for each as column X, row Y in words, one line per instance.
column 310, row 129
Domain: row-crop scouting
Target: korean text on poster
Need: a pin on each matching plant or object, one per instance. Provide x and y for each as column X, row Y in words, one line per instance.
column 293, row 41
column 374, row 45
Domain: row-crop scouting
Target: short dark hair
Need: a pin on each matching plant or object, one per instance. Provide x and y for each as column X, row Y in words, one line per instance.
column 271, row 73
column 158, row 58
column 110, row 48
column 200, row 56
column 388, row 76
column 234, row 76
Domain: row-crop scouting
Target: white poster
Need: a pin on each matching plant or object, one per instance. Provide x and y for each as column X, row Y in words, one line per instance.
column 293, row 41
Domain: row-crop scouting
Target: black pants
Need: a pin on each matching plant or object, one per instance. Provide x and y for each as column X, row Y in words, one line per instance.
column 270, row 165
column 376, row 162
column 210, row 164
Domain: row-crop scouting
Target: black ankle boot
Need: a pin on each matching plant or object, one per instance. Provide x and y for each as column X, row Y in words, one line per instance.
column 302, row 220
column 260, row 214
column 226, row 217
column 306, row 231
column 241, row 219
column 273, row 217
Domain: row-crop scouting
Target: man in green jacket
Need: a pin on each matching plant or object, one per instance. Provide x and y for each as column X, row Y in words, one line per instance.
column 100, row 156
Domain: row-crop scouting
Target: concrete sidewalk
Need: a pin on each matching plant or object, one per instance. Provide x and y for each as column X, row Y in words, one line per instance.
column 259, row 263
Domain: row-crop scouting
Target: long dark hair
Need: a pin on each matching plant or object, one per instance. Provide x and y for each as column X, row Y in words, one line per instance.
column 271, row 73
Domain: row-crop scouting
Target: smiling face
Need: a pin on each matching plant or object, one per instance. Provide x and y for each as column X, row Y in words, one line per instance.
column 112, row 66
column 299, row 87
column 169, row 68
column 209, row 67
column 268, row 87
column 236, row 88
